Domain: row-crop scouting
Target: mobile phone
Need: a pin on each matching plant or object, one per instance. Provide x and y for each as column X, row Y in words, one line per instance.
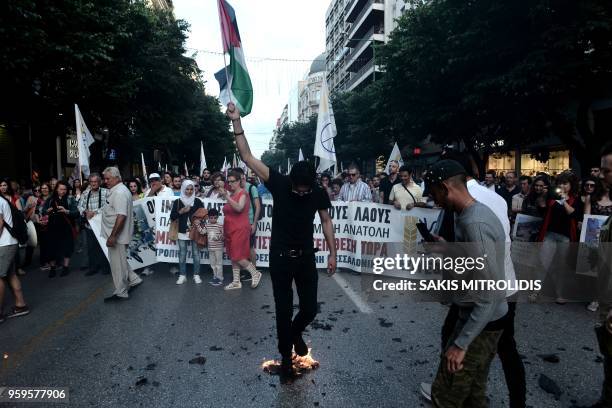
column 427, row 236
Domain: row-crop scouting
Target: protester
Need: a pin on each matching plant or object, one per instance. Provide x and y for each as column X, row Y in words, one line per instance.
column 117, row 228
column 41, row 222
column 599, row 203
column 263, row 192
column 8, row 250
column 182, row 210
column 91, row 203
column 375, row 189
column 29, row 212
column 603, row 329
column 7, row 191
column 595, row 172
column 534, row 204
column 156, row 188
column 76, row 190
column 135, row 189
column 296, row 200
column 509, row 189
column 218, row 188
column 589, row 185
column 355, row 189
column 237, row 231
column 560, row 227
column 63, row 213
column 325, row 180
column 177, row 181
column 463, row 370
column 386, row 184
column 489, row 181
column 517, row 199
column 205, row 182
column 214, row 230
column 407, row 194
column 336, row 186
column 52, row 183
column 168, row 179
column 254, row 210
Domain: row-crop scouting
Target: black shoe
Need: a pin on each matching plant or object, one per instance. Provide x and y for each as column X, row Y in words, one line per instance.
column 299, row 345
column 2, row 318
column 114, row 298
column 19, row 311
column 65, row 271
column 287, row 372
column 91, row 272
column 52, row 272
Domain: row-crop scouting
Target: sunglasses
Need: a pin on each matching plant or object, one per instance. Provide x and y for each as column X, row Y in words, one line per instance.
column 352, row 174
column 590, row 185
column 301, row 193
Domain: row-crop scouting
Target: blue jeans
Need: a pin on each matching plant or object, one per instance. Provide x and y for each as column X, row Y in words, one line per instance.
column 195, row 251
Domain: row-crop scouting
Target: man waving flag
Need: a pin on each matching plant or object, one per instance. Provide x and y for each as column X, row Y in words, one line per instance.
column 234, row 80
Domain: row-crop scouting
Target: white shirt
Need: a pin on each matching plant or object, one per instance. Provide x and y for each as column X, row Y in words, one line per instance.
column 497, row 204
column 164, row 192
column 359, row 191
column 6, row 238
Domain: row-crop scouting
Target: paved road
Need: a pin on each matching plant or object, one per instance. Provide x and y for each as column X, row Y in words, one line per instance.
column 374, row 349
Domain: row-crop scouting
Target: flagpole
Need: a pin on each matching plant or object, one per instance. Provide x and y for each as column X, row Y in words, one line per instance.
column 227, row 78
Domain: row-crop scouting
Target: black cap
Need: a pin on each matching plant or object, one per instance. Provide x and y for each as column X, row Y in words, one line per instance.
column 441, row 171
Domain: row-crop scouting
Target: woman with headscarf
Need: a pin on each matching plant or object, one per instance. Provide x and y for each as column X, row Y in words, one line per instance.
column 63, row 212
column 182, row 210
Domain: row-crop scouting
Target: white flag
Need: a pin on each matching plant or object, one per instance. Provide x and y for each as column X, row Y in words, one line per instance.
column 166, row 168
column 288, row 166
column 395, row 155
column 144, row 170
column 225, row 166
column 300, row 155
column 186, row 171
column 326, row 131
column 202, row 159
column 84, row 140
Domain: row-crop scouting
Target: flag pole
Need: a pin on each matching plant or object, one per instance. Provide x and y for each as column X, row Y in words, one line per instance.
column 227, row 78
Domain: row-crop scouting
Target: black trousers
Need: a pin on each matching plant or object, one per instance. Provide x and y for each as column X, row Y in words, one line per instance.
column 283, row 271
column 96, row 259
column 514, row 370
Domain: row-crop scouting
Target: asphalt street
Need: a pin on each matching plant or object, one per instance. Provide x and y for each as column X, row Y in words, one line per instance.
column 373, row 349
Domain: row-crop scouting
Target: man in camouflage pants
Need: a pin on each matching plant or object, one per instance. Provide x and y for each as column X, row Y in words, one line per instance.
column 604, row 327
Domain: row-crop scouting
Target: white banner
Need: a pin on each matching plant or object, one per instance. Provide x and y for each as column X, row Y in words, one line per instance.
column 587, row 262
column 363, row 231
column 141, row 251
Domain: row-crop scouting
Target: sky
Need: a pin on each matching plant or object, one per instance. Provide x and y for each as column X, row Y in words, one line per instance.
column 270, row 29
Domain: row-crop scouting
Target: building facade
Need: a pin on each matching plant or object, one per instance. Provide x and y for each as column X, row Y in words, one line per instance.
column 310, row 89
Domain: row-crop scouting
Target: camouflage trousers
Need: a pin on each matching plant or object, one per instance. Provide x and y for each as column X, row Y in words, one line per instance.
column 604, row 339
column 467, row 387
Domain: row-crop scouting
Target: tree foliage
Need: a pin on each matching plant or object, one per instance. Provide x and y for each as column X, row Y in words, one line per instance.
column 122, row 62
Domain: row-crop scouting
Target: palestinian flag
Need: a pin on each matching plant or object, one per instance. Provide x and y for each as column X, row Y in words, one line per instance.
column 237, row 88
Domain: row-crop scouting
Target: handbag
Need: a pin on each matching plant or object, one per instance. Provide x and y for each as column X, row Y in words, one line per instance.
column 173, row 231
column 201, row 240
column 32, row 236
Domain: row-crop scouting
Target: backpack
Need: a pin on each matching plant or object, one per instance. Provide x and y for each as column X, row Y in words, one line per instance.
column 19, row 230
column 253, row 202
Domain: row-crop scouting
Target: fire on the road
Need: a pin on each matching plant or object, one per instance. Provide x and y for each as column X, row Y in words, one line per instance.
column 300, row 363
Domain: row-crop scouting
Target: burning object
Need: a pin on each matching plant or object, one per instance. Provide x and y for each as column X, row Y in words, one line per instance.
column 300, row 364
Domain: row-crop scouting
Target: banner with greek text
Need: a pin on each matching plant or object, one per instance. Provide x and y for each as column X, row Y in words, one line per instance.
column 141, row 251
column 362, row 232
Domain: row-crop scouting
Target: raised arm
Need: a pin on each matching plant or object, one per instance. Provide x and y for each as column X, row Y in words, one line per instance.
column 262, row 171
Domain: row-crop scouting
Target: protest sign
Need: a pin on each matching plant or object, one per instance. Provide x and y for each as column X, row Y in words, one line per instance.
column 141, row 251
column 587, row 262
column 524, row 234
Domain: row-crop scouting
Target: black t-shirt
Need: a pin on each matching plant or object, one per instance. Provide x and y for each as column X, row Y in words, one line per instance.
column 560, row 219
column 293, row 215
column 508, row 194
column 386, row 186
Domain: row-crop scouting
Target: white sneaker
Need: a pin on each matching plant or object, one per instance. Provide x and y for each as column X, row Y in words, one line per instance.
column 147, row 271
column 182, row 279
column 593, row 306
column 256, row 279
column 425, row 389
column 197, row 279
column 174, row 270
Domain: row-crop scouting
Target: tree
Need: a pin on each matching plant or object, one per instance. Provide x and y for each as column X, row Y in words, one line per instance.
column 482, row 71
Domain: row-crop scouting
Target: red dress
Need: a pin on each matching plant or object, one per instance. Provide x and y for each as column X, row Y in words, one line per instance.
column 237, row 229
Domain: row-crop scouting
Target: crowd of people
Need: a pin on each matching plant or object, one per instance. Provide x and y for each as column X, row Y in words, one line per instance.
column 474, row 211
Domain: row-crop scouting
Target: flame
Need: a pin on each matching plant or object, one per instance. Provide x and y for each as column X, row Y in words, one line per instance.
column 300, row 364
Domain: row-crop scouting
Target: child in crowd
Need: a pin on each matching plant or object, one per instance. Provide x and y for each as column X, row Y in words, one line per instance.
column 214, row 230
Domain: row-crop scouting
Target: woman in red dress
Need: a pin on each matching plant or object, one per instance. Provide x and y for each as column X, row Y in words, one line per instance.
column 237, row 231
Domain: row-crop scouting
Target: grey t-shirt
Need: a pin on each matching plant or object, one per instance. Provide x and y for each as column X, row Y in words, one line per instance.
column 482, row 232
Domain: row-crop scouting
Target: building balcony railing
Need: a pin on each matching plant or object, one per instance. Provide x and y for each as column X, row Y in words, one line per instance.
column 374, row 34
column 358, row 76
column 367, row 9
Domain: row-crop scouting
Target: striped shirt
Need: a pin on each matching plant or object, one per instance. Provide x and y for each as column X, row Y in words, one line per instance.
column 215, row 235
column 359, row 191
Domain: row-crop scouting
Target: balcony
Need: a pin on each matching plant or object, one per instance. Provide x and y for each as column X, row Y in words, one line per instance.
column 376, row 34
column 372, row 12
column 351, row 9
column 360, row 76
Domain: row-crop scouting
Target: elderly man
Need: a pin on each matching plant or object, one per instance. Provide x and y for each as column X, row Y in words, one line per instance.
column 91, row 203
column 117, row 228
column 355, row 189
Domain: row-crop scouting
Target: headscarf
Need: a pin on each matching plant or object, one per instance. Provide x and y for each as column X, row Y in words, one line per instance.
column 187, row 201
